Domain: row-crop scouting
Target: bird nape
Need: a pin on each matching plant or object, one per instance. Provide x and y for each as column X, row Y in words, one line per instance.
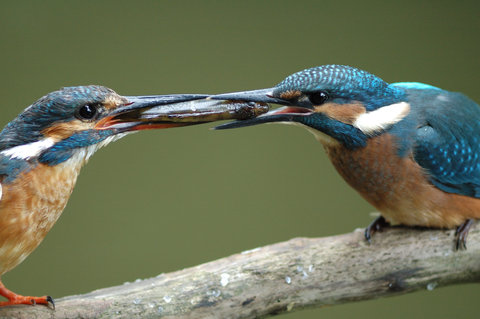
column 43, row 149
column 410, row 149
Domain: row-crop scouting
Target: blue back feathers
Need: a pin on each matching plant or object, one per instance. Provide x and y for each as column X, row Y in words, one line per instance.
column 414, row 85
column 447, row 142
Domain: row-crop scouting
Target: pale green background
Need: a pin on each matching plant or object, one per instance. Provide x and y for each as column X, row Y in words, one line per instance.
column 159, row 201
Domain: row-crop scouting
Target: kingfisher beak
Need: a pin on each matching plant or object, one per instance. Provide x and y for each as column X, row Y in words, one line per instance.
column 283, row 114
column 164, row 111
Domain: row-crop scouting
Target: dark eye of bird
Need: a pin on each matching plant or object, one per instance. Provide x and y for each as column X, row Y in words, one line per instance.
column 318, row 98
column 87, row 112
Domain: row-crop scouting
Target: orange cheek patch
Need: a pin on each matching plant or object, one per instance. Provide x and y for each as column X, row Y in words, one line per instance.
column 61, row 131
column 346, row 113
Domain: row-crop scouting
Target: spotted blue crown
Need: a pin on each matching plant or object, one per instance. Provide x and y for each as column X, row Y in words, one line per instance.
column 345, row 84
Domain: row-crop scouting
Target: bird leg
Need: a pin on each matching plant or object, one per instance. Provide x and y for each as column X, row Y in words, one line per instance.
column 461, row 234
column 377, row 225
column 14, row 299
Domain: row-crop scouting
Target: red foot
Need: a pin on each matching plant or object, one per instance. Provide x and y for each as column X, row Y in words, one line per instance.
column 14, row 299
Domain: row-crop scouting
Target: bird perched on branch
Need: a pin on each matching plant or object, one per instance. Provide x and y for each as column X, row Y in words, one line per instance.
column 43, row 149
column 410, row 149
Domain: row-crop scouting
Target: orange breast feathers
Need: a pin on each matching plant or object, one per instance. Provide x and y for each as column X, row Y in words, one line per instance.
column 399, row 187
column 29, row 207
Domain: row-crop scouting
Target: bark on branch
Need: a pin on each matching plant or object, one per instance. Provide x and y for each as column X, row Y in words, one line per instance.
column 288, row 276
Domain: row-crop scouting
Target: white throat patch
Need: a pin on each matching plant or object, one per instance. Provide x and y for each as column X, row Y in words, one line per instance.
column 380, row 119
column 29, row 150
column 320, row 136
column 82, row 155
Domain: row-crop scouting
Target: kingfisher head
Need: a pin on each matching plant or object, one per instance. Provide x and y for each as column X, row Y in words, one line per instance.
column 75, row 121
column 339, row 104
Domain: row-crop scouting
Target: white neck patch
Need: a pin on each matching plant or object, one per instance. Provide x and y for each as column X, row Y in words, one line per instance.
column 29, row 150
column 83, row 154
column 380, row 119
column 320, row 136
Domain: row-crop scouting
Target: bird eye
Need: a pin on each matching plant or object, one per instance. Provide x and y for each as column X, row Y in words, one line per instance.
column 318, row 98
column 87, row 112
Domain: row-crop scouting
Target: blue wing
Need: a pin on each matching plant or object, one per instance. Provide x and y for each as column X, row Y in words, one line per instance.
column 447, row 141
column 11, row 167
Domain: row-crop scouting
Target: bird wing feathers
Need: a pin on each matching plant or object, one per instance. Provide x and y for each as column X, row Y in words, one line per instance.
column 447, row 143
column 9, row 169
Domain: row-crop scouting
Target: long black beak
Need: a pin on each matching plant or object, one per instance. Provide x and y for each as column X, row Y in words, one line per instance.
column 284, row 114
column 164, row 111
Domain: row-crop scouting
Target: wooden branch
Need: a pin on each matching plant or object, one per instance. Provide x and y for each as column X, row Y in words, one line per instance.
column 284, row 277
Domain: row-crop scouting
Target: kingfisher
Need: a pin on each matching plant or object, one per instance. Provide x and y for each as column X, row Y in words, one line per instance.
column 410, row 149
column 43, row 149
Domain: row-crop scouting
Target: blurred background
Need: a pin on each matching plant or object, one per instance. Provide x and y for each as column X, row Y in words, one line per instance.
column 160, row 201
